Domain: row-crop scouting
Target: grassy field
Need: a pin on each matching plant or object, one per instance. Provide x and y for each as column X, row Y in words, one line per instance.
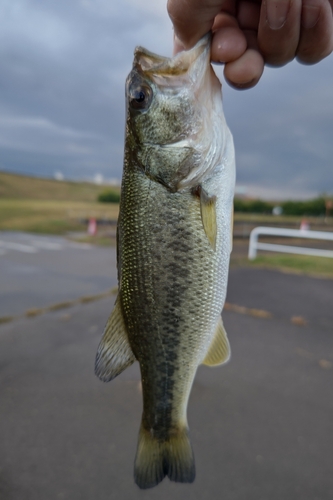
column 58, row 207
column 299, row 264
column 16, row 187
column 49, row 206
column 293, row 221
column 50, row 216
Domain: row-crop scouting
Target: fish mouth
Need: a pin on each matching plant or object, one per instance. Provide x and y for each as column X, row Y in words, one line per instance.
column 161, row 69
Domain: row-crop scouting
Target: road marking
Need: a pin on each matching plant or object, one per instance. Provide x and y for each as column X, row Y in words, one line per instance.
column 326, row 365
column 35, row 245
column 259, row 313
column 18, row 246
column 323, row 363
column 6, row 319
column 31, row 313
column 46, row 245
column 298, row 320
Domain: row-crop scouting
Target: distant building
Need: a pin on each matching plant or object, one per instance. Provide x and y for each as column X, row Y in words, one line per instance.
column 98, row 179
column 59, row 176
column 277, row 210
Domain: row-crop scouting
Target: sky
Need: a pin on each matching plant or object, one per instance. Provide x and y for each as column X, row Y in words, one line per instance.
column 62, row 104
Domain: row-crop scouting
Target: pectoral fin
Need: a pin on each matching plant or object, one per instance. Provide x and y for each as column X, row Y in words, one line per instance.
column 114, row 352
column 208, row 216
column 219, row 349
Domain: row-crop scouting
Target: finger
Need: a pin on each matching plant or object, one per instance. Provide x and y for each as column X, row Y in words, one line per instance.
column 248, row 15
column 192, row 19
column 246, row 71
column 316, row 41
column 279, row 30
column 228, row 42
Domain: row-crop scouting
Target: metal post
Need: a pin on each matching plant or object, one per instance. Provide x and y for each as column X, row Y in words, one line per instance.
column 293, row 233
column 253, row 244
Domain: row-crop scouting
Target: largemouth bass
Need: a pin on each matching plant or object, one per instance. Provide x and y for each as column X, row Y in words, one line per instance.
column 174, row 243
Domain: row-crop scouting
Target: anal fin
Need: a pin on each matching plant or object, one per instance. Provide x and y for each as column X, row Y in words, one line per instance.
column 219, row 349
column 114, row 352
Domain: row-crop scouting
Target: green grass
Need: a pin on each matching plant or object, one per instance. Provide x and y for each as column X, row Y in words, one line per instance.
column 281, row 220
column 51, row 216
column 49, row 206
column 320, row 266
column 56, row 207
column 19, row 187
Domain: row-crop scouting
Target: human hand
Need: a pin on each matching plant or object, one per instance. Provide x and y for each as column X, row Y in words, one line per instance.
column 247, row 34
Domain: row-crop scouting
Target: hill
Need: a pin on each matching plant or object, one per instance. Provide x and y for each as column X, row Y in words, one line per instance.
column 48, row 206
column 13, row 186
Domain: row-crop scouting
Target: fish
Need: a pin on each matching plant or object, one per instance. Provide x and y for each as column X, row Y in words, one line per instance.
column 174, row 238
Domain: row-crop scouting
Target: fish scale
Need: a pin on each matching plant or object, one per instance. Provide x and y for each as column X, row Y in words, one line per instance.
column 174, row 242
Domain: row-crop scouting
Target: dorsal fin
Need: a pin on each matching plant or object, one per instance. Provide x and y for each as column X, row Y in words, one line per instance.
column 114, row 352
column 219, row 349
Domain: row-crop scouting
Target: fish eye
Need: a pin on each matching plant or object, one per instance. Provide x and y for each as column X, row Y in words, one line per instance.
column 140, row 97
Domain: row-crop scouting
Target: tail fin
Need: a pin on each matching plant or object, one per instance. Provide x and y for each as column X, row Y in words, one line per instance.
column 156, row 459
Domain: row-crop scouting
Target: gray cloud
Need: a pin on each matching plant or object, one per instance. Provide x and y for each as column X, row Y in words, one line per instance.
column 63, row 68
column 283, row 130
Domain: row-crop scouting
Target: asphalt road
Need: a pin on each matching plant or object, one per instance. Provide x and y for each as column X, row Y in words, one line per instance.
column 284, row 295
column 37, row 271
column 261, row 426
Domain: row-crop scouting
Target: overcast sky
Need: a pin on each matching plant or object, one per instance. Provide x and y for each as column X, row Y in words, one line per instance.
column 62, row 109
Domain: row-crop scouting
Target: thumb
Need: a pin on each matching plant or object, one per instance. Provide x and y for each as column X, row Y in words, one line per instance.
column 192, row 19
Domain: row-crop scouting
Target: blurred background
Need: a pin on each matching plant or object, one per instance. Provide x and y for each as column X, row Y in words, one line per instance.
column 262, row 425
column 63, row 68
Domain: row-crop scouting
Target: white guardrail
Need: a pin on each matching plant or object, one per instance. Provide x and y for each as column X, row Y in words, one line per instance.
column 291, row 233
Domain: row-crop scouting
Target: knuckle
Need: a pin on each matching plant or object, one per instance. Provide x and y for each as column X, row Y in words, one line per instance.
column 311, row 52
column 277, row 54
column 278, row 59
column 171, row 8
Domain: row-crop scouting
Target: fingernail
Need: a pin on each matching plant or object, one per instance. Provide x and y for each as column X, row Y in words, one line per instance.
column 276, row 13
column 244, row 86
column 178, row 46
column 310, row 15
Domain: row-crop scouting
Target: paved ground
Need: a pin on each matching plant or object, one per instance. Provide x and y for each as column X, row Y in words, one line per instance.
column 37, row 271
column 284, row 295
column 261, row 426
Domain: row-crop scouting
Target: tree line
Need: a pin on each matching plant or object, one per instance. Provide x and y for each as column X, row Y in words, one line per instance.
column 315, row 207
